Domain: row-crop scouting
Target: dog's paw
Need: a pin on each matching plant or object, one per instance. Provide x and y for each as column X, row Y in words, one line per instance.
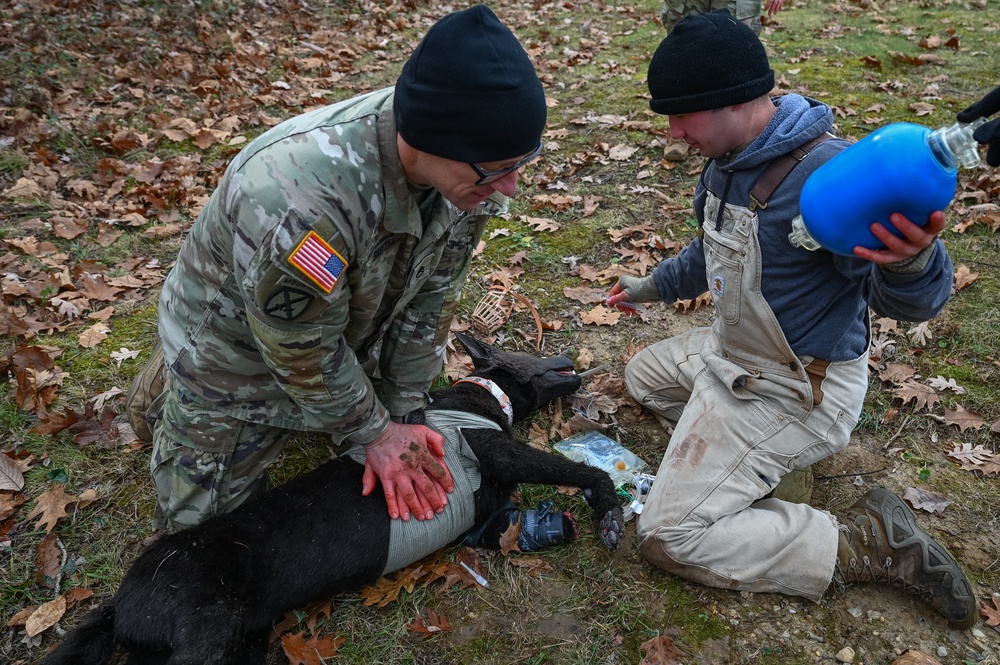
column 611, row 529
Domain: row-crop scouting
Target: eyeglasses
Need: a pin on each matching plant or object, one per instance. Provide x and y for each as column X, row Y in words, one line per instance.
column 486, row 177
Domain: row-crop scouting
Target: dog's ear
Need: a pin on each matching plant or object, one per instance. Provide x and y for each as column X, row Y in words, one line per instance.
column 481, row 354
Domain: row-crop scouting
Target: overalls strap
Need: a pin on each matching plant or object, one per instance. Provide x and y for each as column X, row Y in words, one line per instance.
column 779, row 169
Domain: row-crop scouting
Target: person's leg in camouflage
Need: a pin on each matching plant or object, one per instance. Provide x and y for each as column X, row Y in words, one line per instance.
column 745, row 11
column 205, row 463
column 748, row 12
column 674, row 10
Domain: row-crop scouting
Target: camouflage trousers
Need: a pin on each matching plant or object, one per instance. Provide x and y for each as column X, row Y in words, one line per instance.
column 204, row 463
column 745, row 11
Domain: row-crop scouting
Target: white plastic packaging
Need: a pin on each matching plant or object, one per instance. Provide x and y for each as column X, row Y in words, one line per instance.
column 597, row 450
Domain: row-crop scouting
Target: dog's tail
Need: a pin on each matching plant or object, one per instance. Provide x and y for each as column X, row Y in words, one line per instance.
column 90, row 643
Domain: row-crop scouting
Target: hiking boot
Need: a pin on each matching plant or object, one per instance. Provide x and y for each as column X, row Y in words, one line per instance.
column 675, row 152
column 881, row 542
column 146, row 387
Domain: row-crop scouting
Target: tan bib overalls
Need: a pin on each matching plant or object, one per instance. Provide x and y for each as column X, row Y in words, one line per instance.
column 745, row 413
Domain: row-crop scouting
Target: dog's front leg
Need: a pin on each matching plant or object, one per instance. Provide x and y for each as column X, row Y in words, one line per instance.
column 512, row 461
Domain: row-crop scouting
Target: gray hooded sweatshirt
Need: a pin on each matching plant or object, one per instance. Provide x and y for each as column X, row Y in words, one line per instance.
column 820, row 299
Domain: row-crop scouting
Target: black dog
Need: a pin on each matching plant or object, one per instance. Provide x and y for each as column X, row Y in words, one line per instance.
column 210, row 594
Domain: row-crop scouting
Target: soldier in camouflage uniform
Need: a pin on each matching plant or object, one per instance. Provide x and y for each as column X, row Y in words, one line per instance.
column 316, row 289
column 745, row 11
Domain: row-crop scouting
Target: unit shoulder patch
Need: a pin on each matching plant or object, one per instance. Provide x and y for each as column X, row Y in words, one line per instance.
column 288, row 303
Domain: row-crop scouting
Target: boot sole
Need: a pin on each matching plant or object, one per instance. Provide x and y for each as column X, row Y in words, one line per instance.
column 903, row 531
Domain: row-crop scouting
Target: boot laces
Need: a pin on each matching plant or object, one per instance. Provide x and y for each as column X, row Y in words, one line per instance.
column 885, row 573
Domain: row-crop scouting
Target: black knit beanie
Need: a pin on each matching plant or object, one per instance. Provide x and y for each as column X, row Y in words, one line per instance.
column 469, row 92
column 708, row 61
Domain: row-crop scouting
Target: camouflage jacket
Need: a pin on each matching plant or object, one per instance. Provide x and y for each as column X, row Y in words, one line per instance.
column 311, row 263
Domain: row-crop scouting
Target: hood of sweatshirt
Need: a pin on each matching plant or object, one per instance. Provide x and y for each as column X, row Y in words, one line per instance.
column 796, row 120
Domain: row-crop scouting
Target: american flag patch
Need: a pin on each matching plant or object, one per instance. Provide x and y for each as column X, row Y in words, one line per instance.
column 318, row 261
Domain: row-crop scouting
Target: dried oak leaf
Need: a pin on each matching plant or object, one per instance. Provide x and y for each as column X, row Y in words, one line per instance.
column 590, row 204
column 931, row 502
column 914, row 657
column 601, row 316
column 930, row 42
column 577, row 423
column 871, row 62
column 693, row 305
column 53, row 423
column 964, row 278
column 96, row 287
column 38, row 377
column 11, row 477
column 21, row 617
column 882, row 348
column 52, row 505
column 48, row 561
column 452, row 574
column 920, row 334
column 941, row 383
column 886, row 325
column 897, row 373
column 308, row 615
column 538, row 437
column 661, row 651
column 509, row 538
column 312, row 651
column 592, row 405
column 971, row 458
column 77, row 596
column 435, row 624
column 622, row 152
column 47, row 615
column 9, row 503
column 551, row 325
column 922, row 396
column 94, row 335
column 470, row 557
column 991, row 614
column 102, row 432
column 533, row 565
column 963, row 419
column 387, row 589
column 541, row 224
column 68, row 227
column 643, row 229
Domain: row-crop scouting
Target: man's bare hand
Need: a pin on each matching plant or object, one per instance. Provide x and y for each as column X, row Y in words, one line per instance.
column 772, row 7
column 915, row 238
column 409, row 460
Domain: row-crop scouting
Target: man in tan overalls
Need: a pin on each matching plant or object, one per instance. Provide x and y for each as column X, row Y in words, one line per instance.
column 778, row 381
